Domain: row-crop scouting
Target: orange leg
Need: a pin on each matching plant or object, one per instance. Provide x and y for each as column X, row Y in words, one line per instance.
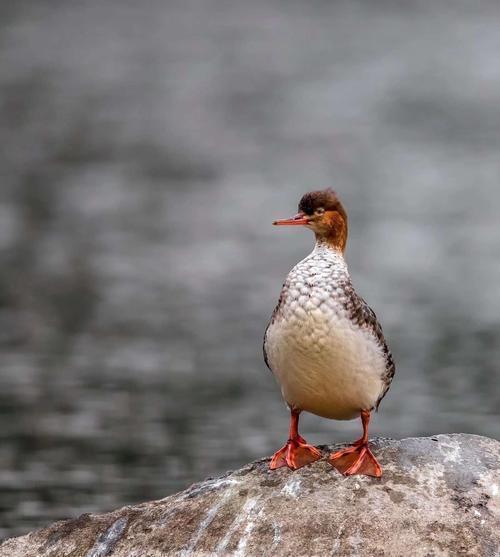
column 357, row 459
column 296, row 452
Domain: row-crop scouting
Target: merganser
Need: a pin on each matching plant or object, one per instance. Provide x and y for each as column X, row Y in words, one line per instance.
column 324, row 344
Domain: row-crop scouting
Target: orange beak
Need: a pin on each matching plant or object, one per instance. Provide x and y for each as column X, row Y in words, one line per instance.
column 297, row 220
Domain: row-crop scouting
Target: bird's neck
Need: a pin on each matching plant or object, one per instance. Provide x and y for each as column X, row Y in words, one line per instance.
column 334, row 234
column 325, row 246
column 335, row 241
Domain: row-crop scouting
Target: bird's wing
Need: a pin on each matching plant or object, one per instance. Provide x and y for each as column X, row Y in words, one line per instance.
column 264, row 350
column 363, row 315
column 273, row 317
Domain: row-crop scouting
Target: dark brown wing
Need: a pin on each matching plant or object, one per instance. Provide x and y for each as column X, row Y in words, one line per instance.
column 362, row 314
column 264, row 349
column 273, row 317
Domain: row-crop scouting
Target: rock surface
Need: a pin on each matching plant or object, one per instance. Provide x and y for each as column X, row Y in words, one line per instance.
column 438, row 496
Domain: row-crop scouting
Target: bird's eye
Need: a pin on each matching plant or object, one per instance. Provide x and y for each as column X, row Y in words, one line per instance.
column 319, row 211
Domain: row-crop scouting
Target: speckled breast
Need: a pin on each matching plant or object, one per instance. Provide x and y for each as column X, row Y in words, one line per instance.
column 324, row 362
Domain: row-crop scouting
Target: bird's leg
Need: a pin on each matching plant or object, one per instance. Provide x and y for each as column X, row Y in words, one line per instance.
column 296, row 452
column 357, row 459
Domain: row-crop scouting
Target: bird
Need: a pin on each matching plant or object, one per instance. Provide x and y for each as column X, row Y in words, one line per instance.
column 324, row 344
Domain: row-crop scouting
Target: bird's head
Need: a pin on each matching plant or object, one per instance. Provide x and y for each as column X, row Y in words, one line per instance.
column 322, row 212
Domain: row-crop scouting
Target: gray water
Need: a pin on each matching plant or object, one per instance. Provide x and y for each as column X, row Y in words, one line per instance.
column 146, row 148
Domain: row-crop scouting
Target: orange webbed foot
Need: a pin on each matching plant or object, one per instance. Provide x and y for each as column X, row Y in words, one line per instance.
column 295, row 454
column 357, row 459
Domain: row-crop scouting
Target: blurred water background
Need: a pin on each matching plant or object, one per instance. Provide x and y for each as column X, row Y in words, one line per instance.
column 146, row 148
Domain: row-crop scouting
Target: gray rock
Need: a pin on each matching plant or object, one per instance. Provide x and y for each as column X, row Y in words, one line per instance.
column 438, row 496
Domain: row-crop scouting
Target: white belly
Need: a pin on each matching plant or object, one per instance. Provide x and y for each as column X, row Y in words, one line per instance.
column 325, row 364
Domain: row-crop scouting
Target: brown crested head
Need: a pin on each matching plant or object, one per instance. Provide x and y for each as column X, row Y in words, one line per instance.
column 322, row 212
